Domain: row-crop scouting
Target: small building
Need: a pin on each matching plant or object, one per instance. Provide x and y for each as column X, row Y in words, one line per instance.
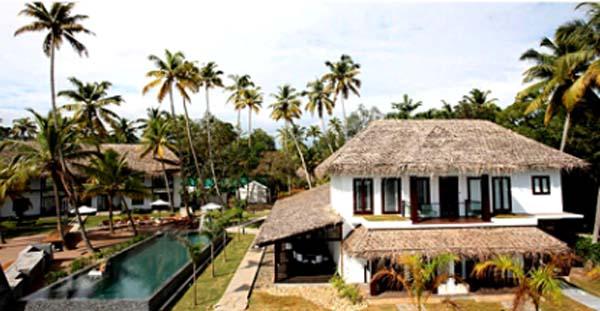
column 259, row 193
column 401, row 187
column 39, row 199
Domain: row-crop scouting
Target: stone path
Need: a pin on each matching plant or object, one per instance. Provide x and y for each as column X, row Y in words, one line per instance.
column 580, row 296
column 236, row 295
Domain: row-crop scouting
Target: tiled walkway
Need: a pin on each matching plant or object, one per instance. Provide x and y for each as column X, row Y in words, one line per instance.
column 236, row 295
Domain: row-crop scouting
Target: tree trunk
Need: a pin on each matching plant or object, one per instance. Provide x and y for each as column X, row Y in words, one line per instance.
column 209, row 140
column 111, row 227
column 128, row 211
column 565, row 133
column 249, row 127
column 172, row 103
column 167, row 186
column 59, row 227
column 190, row 142
column 597, row 221
column 212, row 258
column 239, row 120
column 84, row 235
column 325, row 136
column 307, row 175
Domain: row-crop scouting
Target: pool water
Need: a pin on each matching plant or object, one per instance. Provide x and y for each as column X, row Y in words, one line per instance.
column 134, row 275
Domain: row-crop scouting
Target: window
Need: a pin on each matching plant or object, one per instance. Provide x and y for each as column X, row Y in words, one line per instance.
column 363, row 195
column 474, row 194
column 540, row 184
column 501, row 195
column 137, row 201
column 391, row 195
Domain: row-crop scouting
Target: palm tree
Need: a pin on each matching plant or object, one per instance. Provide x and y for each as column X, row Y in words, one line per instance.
column 251, row 99
column 318, row 100
column 213, row 228
column 90, row 103
column 210, row 78
column 287, row 107
column 157, row 139
column 23, row 128
column 336, row 130
column 59, row 24
column 342, row 79
column 165, row 76
column 405, row 108
column 124, row 131
column 240, row 84
column 419, row 274
column 314, row 132
column 52, row 141
column 14, row 180
column 554, row 75
column 111, row 176
column 538, row 283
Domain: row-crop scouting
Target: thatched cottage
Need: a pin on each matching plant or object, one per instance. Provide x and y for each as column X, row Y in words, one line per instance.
column 39, row 199
column 467, row 187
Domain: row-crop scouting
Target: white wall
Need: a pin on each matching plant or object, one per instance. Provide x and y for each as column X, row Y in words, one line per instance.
column 6, row 210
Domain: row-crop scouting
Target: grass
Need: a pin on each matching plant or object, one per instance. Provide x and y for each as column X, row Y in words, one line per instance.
column 260, row 301
column 565, row 303
column 209, row 289
column 12, row 228
column 589, row 285
column 384, row 218
column 512, row 216
column 96, row 220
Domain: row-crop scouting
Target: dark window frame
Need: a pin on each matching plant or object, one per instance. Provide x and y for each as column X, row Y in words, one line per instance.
column 363, row 198
column 495, row 209
column 541, row 179
column 399, row 209
column 141, row 199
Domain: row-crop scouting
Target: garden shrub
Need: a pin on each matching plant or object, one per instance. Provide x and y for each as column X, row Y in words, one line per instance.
column 53, row 276
column 80, row 263
column 344, row 290
column 588, row 250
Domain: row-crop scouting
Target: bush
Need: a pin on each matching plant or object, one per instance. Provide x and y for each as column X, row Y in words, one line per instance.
column 80, row 263
column 344, row 290
column 588, row 250
column 107, row 252
column 53, row 276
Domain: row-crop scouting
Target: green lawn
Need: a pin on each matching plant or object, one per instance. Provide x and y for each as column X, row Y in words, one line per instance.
column 209, row 289
column 591, row 286
column 96, row 220
column 260, row 301
column 12, row 228
column 384, row 218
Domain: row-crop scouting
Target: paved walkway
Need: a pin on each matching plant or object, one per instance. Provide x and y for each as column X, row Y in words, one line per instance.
column 236, row 295
column 580, row 296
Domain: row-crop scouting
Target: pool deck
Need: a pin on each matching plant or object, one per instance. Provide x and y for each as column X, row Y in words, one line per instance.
column 236, row 295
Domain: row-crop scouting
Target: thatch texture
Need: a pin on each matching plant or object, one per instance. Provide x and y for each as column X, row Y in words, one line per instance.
column 395, row 147
column 300, row 213
column 147, row 164
column 482, row 242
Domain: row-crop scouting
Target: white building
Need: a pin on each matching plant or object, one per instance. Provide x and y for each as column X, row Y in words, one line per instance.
column 400, row 187
column 39, row 199
column 259, row 193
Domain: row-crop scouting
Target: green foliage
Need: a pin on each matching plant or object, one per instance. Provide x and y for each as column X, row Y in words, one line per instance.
column 80, row 263
column 53, row 276
column 108, row 251
column 347, row 291
column 588, row 250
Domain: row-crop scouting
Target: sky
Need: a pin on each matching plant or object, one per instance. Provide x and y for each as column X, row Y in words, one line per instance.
column 431, row 51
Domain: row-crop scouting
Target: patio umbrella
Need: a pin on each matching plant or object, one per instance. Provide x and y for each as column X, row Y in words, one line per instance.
column 159, row 202
column 210, row 207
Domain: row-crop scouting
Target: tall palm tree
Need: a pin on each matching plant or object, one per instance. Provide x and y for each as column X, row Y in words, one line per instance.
column 553, row 78
column 538, row 283
column 157, row 139
column 14, row 181
column 124, row 131
column 342, row 79
column 210, row 78
column 51, row 141
column 478, row 97
column 252, row 99
column 23, row 128
column 240, row 84
column 419, row 275
column 314, row 132
column 60, row 25
column 287, row 107
column 90, row 103
column 111, row 176
column 319, row 101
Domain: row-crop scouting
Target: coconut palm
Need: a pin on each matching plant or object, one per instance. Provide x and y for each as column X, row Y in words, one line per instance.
column 60, row 25
column 157, row 139
column 43, row 153
column 210, row 78
column 251, row 99
column 319, row 101
column 419, row 275
column 538, row 283
column 90, row 103
column 213, row 228
column 342, row 80
column 553, row 77
column 124, row 131
column 405, row 108
column 14, row 181
column 111, row 176
column 314, row 132
column 240, row 84
column 23, row 128
column 287, row 107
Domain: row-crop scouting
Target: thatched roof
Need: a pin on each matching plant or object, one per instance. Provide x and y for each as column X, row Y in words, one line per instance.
column 147, row 164
column 479, row 242
column 300, row 213
column 394, row 147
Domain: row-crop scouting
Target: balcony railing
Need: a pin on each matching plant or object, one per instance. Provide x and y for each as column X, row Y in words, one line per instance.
column 434, row 210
